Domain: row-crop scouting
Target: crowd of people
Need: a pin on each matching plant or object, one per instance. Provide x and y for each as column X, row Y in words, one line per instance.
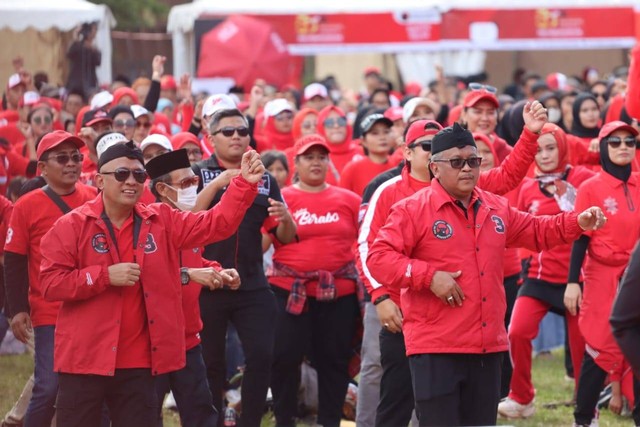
column 160, row 240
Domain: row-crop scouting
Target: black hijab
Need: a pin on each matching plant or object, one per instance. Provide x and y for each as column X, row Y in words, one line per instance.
column 577, row 128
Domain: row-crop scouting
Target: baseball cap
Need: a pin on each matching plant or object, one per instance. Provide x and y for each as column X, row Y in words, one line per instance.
column 180, row 139
column 303, row 144
column 92, row 117
column 30, row 98
column 276, row 106
column 371, row 70
column 413, row 88
column 14, row 80
column 421, row 128
column 139, row 111
column 157, row 139
column 109, row 139
column 411, row 105
column 216, row 103
column 315, row 89
column 611, row 127
column 369, row 121
column 101, row 100
column 167, row 82
column 393, row 113
column 475, row 96
column 55, row 138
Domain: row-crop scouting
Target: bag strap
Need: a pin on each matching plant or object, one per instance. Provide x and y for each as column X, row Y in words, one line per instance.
column 55, row 198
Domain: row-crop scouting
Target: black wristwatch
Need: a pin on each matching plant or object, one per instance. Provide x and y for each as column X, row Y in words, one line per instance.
column 184, row 276
column 381, row 298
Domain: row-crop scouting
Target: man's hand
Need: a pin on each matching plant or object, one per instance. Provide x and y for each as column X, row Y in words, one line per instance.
column 445, row 287
column 230, row 278
column 573, row 298
column 535, row 116
column 124, row 274
column 592, row 219
column 279, row 211
column 184, row 88
column 207, row 277
column 389, row 315
column 252, row 167
column 21, row 327
column 157, row 65
column 225, row 178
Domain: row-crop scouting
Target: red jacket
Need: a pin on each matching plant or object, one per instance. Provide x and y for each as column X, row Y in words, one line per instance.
column 428, row 232
column 76, row 254
column 498, row 180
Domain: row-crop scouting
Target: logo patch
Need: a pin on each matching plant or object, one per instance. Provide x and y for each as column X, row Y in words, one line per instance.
column 499, row 223
column 209, row 175
column 100, row 243
column 264, row 186
column 442, row 230
column 150, row 245
column 611, row 205
column 9, row 235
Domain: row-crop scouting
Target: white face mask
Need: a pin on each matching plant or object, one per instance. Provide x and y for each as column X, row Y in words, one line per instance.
column 186, row 198
column 554, row 115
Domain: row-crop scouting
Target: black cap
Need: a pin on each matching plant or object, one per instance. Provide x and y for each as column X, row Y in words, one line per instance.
column 451, row 137
column 372, row 119
column 167, row 162
column 119, row 109
column 128, row 150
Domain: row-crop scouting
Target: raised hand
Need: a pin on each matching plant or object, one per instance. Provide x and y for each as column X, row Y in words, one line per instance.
column 535, row 116
column 251, row 167
column 157, row 66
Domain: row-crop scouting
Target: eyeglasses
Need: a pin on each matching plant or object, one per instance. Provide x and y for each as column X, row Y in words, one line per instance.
column 124, row 123
column 426, row 145
column 339, row 122
column 122, row 174
column 473, row 162
column 39, row 120
column 229, row 131
column 309, row 125
column 145, row 125
column 599, row 94
column 615, row 141
column 285, row 115
column 187, row 182
column 194, row 152
column 478, row 86
column 63, row 158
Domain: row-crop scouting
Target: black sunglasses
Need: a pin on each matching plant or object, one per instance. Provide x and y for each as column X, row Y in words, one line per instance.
column 124, row 123
column 478, row 86
column 39, row 120
column 122, row 174
column 473, row 162
column 426, row 145
column 340, row 121
column 615, row 141
column 229, row 131
column 63, row 158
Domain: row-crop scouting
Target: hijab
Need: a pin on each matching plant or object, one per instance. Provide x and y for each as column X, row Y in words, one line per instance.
column 577, row 127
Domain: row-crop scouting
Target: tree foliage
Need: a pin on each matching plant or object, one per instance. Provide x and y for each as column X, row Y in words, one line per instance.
column 137, row 15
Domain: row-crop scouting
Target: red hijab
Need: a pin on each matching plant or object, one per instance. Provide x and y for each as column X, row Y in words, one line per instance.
column 298, row 119
column 124, row 91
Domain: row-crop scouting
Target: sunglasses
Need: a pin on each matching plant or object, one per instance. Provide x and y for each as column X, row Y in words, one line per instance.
column 63, row 158
column 426, row 145
column 124, row 123
column 122, row 174
column 145, row 125
column 473, row 162
column 615, row 141
column 187, row 182
column 286, row 115
column 309, row 125
column 478, row 86
column 229, row 131
column 40, row 120
column 598, row 94
column 340, row 122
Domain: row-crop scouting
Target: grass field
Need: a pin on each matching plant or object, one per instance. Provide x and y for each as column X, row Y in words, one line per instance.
column 552, row 390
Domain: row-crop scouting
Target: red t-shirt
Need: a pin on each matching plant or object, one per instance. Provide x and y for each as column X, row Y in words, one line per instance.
column 33, row 216
column 357, row 174
column 327, row 230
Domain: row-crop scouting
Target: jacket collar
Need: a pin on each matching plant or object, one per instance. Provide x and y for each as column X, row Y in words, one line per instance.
column 614, row 182
column 95, row 207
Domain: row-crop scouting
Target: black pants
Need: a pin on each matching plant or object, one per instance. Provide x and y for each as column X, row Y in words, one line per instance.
column 330, row 327
column 130, row 396
column 511, row 292
column 456, row 389
column 396, row 397
column 252, row 313
column 190, row 390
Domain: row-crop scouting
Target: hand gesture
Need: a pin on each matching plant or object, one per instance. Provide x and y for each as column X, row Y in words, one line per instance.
column 184, row 87
column 88, row 135
column 197, row 112
column 225, row 177
column 207, row 277
column 26, row 130
column 279, row 211
column 594, row 145
column 535, row 116
column 592, row 219
column 252, row 167
column 157, row 65
column 573, row 298
column 445, row 287
column 18, row 63
column 124, row 274
column 230, row 278
column 21, row 327
column 256, row 96
column 389, row 315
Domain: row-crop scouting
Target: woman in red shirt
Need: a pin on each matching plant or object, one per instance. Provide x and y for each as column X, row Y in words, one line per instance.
column 552, row 191
column 585, row 126
column 315, row 282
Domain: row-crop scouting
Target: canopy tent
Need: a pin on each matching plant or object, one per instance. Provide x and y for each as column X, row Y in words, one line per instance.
column 39, row 32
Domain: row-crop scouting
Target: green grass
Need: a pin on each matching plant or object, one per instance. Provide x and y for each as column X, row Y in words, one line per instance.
column 548, row 377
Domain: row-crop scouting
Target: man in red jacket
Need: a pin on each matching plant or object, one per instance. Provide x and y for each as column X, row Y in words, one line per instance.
column 114, row 265
column 444, row 245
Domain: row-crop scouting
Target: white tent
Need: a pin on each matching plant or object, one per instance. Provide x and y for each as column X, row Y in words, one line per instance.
column 60, row 16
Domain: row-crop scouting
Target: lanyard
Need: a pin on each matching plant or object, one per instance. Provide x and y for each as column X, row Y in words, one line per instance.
column 137, row 221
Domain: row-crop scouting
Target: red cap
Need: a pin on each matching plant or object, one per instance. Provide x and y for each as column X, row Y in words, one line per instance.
column 413, row 88
column 55, row 138
column 167, row 82
column 372, row 70
column 611, row 127
column 180, row 139
column 418, row 129
column 394, row 113
column 308, row 141
column 475, row 96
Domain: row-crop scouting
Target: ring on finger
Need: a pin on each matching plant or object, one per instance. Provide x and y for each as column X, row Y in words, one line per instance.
column 450, row 298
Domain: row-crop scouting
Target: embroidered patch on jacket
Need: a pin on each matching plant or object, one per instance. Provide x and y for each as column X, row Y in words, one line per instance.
column 100, row 243
column 611, row 205
column 442, row 230
column 499, row 223
column 150, row 245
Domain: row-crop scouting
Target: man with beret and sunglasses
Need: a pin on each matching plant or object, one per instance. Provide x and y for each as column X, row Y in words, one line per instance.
column 252, row 307
column 114, row 265
column 59, row 161
column 444, row 245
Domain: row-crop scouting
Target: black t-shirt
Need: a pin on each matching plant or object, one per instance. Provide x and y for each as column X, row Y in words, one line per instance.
column 243, row 250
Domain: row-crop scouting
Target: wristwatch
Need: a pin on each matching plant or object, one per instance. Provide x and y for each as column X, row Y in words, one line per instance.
column 184, row 276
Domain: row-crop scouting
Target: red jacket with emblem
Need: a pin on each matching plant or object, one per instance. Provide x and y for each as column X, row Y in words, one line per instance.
column 75, row 272
column 428, row 232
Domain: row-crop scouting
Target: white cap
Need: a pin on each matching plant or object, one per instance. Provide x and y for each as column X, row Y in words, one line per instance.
column 413, row 103
column 315, row 89
column 30, row 98
column 139, row 110
column 14, row 80
column 101, row 100
column 216, row 103
column 109, row 140
column 157, row 139
column 276, row 106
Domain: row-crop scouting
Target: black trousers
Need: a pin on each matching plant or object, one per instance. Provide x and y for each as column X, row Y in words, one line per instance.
column 191, row 392
column 456, row 389
column 130, row 396
column 252, row 313
column 396, row 397
column 329, row 328
column 511, row 292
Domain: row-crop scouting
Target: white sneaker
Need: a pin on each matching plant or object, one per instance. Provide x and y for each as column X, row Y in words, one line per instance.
column 511, row 409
